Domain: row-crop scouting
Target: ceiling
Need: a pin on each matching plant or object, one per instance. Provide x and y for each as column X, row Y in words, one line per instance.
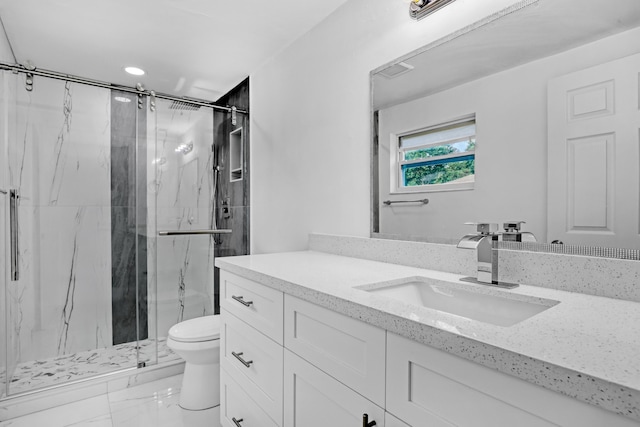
column 194, row 48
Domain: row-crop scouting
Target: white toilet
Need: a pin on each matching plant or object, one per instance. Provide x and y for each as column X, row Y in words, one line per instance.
column 197, row 341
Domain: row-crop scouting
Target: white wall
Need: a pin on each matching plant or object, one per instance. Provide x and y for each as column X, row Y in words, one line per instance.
column 310, row 136
column 511, row 151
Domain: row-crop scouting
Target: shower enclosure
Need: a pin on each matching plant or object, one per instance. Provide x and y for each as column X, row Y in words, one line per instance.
column 94, row 183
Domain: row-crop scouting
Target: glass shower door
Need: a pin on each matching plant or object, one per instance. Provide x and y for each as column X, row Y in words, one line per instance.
column 181, row 198
column 7, row 88
column 75, row 214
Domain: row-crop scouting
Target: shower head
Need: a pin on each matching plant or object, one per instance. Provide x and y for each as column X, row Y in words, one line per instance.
column 183, row 105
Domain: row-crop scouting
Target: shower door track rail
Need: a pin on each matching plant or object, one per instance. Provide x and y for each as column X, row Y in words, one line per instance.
column 16, row 68
column 89, row 381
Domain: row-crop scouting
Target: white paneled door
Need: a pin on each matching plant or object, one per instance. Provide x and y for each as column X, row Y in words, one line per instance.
column 594, row 156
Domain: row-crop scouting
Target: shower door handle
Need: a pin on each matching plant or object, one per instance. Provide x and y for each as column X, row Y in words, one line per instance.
column 13, row 224
column 192, row 232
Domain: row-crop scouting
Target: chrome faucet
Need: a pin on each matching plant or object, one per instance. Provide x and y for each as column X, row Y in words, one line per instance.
column 485, row 245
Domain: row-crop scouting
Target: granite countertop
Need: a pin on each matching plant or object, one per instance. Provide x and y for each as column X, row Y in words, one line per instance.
column 586, row 347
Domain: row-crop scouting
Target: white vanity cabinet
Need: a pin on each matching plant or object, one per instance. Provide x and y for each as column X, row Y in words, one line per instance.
column 302, row 365
column 329, row 372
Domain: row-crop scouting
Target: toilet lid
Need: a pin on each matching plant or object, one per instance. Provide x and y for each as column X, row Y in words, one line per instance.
column 205, row 328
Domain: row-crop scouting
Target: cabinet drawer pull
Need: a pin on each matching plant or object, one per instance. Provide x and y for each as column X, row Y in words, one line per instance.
column 237, row 422
column 241, row 301
column 244, row 362
column 366, row 422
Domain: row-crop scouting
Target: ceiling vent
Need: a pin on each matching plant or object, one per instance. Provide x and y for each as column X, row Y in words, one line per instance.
column 396, row 70
column 185, row 106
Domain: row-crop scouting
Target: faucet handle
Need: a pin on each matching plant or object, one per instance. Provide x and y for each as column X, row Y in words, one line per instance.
column 484, row 227
column 512, row 233
column 513, row 226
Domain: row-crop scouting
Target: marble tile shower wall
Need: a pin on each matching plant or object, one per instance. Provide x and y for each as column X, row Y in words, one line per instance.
column 233, row 208
column 612, row 278
column 59, row 162
column 182, row 188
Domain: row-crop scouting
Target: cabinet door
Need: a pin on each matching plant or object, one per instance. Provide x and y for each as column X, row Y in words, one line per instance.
column 345, row 348
column 314, row 399
column 429, row 387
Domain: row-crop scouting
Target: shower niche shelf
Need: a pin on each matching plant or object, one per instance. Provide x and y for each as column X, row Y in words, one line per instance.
column 236, row 155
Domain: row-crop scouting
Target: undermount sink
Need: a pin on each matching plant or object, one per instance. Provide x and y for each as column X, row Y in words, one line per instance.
column 496, row 307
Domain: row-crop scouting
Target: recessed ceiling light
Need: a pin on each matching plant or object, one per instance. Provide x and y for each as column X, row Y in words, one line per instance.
column 135, row 71
column 121, row 99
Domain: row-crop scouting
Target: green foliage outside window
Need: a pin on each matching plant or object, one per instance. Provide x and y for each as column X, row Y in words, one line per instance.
column 438, row 173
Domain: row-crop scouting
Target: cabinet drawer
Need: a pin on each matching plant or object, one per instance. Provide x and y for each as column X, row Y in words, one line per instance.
column 347, row 349
column 261, row 376
column 236, row 404
column 254, row 303
column 314, row 399
column 426, row 385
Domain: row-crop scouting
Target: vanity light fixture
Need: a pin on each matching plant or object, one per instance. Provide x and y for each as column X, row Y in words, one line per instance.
column 418, row 9
column 134, row 71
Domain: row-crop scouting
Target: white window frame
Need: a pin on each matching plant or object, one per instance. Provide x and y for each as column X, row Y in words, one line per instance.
column 398, row 161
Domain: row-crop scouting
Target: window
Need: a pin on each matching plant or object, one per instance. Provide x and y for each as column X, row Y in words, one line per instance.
column 438, row 158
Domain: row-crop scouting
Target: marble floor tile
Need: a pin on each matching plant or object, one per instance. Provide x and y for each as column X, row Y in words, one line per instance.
column 165, row 413
column 159, row 412
column 154, row 404
column 102, row 421
column 76, row 414
column 144, row 393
